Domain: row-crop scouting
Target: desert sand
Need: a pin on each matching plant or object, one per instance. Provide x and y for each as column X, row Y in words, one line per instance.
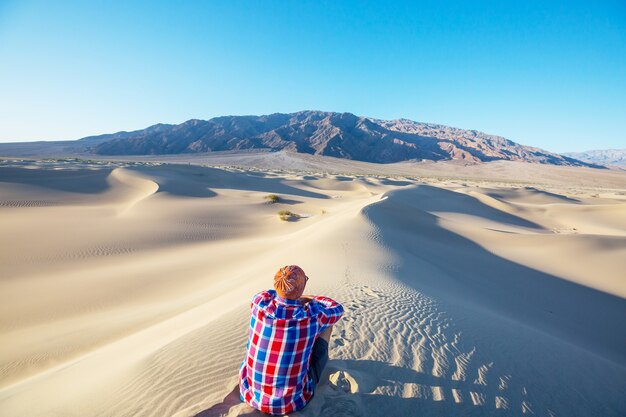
column 470, row 290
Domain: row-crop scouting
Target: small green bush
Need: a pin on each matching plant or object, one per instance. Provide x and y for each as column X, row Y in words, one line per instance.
column 287, row 215
column 272, row 198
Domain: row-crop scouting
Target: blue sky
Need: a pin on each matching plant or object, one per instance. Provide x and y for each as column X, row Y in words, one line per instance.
column 544, row 73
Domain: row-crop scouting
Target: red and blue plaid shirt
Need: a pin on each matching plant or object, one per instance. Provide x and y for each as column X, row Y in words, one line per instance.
column 274, row 376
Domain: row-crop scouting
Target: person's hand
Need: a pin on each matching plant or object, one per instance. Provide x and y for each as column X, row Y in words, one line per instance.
column 305, row 299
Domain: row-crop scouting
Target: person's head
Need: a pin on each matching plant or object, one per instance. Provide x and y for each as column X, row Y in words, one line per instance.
column 289, row 282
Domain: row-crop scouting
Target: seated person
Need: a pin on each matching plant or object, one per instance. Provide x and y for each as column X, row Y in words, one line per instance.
column 287, row 345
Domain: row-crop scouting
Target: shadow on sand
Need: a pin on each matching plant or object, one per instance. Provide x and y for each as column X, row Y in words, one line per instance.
column 460, row 269
column 333, row 401
column 178, row 180
column 197, row 181
column 85, row 181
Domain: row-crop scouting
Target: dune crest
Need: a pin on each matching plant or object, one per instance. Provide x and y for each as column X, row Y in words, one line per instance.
column 129, row 188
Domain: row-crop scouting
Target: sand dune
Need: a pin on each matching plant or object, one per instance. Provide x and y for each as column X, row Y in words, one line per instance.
column 125, row 288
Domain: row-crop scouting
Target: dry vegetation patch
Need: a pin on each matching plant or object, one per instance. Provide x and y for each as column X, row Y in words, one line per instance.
column 272, row 198
column 287, row 215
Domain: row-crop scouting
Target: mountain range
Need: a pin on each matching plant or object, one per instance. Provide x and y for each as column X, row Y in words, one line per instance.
column 341, row 135
column 601, row 156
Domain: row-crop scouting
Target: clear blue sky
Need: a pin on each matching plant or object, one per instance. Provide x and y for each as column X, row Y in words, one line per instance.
column 544, row 73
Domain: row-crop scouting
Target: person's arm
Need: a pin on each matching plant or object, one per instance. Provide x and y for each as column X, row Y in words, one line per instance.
column 330, row 310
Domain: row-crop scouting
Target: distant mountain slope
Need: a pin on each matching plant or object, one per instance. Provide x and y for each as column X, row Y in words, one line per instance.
column 601, row 156
column 342, row 135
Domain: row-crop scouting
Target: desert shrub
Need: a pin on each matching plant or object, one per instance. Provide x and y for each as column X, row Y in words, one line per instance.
column 287, row 215
column 272, row 198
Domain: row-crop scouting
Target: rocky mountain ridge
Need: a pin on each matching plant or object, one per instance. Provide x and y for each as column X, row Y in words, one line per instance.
column 341, row 135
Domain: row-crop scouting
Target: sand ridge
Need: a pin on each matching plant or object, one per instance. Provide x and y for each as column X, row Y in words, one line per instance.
column 462, row 297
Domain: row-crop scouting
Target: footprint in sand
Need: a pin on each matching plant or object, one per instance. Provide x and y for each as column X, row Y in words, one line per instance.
column 343, row 381
column 339, row 341
column 370, row 292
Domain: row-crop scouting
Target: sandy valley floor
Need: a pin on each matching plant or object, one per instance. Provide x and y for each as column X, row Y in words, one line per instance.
column 469, row 291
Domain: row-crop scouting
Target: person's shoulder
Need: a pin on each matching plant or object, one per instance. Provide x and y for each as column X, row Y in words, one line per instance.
column 263, row 296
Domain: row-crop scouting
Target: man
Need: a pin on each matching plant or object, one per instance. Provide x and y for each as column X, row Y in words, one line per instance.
column 287, row 344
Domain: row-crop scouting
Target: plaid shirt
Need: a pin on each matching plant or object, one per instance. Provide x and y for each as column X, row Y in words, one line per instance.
column 274, row 375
